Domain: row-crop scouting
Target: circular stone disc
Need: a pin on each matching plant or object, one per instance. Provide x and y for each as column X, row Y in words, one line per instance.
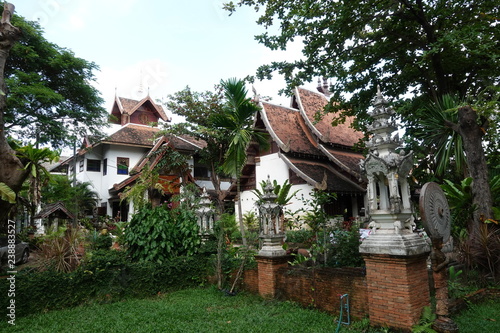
column 435, row 211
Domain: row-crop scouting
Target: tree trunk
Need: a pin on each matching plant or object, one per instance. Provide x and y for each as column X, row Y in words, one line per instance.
column 11, row 168
column 472, row 136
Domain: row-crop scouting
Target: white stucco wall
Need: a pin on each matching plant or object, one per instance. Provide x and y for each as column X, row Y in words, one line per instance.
column 272, row 166
column 100, row 182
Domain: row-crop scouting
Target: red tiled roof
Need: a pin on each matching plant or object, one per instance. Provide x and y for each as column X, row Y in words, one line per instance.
column 287, row 129
column 310, row 103
column 132, row 134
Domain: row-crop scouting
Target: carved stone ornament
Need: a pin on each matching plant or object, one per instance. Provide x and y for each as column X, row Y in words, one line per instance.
column 435, row 211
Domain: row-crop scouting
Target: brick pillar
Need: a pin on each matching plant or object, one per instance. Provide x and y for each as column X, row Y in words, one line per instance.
column 267, row 273
column 398, row 289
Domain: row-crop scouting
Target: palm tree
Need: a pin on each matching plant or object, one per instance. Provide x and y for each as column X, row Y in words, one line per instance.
column 33, row 159
column 238, row 121
column 445, row 144
column 451, row 127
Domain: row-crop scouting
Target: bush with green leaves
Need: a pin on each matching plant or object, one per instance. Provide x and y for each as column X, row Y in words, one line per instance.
column 104, row 276
column 158, row 234
column 303, row 236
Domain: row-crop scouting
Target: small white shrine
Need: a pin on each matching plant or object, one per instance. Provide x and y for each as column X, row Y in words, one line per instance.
column 387, row 167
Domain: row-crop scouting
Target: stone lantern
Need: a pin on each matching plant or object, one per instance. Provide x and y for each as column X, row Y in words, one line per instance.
column 270, row 224
column 387, row 167
column 205, row 215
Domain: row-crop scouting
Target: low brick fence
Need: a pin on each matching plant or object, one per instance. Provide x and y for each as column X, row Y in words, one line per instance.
column 320, row 288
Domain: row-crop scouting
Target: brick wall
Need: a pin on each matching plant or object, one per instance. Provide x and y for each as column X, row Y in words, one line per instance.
column 392, row 292
column 318, row 287
column 398, row 289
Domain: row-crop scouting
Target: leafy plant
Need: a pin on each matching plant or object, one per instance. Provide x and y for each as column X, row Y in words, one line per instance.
column 426, row 320
column 282, row 192
column 60, row 250
column 7, row 194
column 460, row 200
column 157, row 234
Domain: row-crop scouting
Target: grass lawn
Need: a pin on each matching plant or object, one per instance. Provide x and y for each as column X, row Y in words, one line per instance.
column 192, row 310
column 208, row 310
column 481, row 318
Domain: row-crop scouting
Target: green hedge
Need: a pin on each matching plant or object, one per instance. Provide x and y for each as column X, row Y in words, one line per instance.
column 106, row 276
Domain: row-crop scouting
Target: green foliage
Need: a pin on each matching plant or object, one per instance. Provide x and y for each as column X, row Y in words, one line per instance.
column 460, row 201
column 304, row 236
column 80, row 199
column 99, row 240
column 105, row 276
column 314, row 214
column 345, row 248
column 282, row 192
column 360, row 44
column 158, row 234
column 60, row 249
column 438, row 139
column 238, row 121
column 47, row 84
column 6, row 193
column 482, row 317
column 425, row 322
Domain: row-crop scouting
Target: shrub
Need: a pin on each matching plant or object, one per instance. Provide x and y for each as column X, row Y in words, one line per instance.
column 104, row 276
column 300, row 236
column 158, row 234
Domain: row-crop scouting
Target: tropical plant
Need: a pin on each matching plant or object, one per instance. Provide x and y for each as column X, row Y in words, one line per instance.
column 460, row 201
column 439, row 140
column 237, row 120
column 7, row 194
column 60, row 249
column 33, row 159
column 159, row 233
column 282, row 192
column 80, row 199
column 426, row 320
column 199, row 111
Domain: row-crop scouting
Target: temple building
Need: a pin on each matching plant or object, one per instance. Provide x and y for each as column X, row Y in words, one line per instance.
column 310, row 154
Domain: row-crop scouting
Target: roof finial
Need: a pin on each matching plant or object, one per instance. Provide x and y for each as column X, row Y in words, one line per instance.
column 140, row 90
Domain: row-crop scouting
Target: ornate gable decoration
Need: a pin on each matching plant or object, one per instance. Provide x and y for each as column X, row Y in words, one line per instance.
column 143, row 112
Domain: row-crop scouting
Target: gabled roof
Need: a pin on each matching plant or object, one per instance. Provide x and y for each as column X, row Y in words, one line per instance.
column 155, row 155
column 56, row 209
column 287, row 129
column 314, row 148
column 322, row 175
column 129, row 106
column 309, row 104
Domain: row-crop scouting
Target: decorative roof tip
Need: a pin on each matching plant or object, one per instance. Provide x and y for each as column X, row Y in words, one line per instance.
column 256, row 97
column 379, row 99
column 324, row 87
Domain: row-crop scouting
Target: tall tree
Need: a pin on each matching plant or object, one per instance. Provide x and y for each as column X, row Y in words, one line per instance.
column 420, row 48
column 12, row 173
column 50, row 98
column 199, row 111
column 238, row 119
column 223, row 119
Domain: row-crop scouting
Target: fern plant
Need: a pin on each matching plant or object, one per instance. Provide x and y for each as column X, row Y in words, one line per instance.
column 425, row 323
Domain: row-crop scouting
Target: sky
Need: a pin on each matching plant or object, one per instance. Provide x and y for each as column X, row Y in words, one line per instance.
column 157, row 46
